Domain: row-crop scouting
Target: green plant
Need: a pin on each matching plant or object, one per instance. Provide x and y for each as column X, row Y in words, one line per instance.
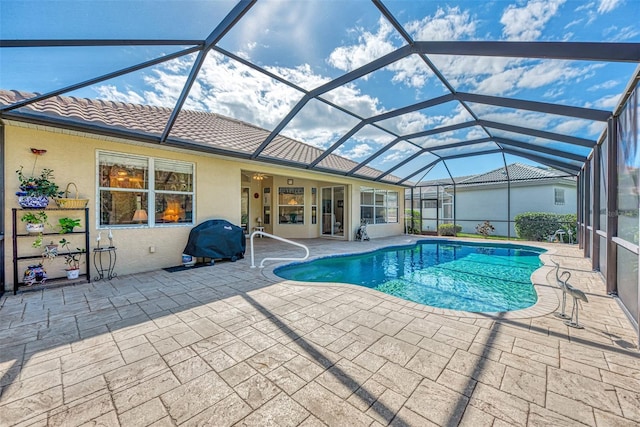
column 449, row 229
column 538, row 226
column 413, row 220
column 71, row 259
column 38, row 242
column 50, row 252
column 485, row 229
column 68, row 224
column 34, row 217
column 41, row 185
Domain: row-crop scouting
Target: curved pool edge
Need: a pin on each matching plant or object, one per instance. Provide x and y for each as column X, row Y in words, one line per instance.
column 548, row 293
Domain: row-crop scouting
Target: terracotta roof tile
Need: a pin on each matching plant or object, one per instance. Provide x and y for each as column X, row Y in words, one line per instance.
column 204, row 128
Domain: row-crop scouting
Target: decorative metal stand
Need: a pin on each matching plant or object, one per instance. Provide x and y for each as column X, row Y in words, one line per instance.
column 562, row 283
column 105, row 271
column 577, row 294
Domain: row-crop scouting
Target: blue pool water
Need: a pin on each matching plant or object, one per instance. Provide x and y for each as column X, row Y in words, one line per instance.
column 476, row 277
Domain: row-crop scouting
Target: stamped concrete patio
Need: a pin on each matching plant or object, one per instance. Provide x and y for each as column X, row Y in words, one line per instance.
column 230, row 345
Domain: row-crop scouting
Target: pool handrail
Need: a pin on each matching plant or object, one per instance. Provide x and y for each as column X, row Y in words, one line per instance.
column 282, row 239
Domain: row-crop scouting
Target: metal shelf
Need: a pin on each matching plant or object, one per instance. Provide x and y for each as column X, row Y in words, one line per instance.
column 53, row 281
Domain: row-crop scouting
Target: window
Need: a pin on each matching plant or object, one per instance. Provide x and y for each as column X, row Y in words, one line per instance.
column 266, row 201
column 378, row 206
column 129, row 185
column 291, row 205
column 314, row 206
column 559, row 196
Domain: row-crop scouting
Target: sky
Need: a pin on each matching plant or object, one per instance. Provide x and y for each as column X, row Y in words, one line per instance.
column 309, row 43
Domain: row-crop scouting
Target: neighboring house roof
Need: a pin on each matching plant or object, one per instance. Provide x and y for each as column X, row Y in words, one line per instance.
column 517, row 172
column 228, row 136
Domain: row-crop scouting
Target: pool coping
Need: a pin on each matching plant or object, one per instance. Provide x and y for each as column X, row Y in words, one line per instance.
column 548, row 292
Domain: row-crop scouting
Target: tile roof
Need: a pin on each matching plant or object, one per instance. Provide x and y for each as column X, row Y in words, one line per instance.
column 517, row 172
column 202, row 128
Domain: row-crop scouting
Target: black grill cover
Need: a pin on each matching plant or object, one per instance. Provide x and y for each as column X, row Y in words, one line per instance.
column 216, row 238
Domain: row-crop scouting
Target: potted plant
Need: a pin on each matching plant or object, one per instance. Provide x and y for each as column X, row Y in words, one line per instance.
column 35, row 190
column 68, row 224
column 35, row 222
column 72, row 259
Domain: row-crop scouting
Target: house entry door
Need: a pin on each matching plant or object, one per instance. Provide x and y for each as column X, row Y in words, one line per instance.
column 333, row 211
column 429, row 212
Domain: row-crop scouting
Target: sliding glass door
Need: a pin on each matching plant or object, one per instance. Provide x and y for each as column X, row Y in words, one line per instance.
column 333, row 213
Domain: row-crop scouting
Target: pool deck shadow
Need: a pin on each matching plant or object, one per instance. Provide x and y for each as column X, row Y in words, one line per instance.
column 234, row 345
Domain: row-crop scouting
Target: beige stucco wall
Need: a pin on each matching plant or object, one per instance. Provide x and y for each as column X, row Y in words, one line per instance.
column 73, row 158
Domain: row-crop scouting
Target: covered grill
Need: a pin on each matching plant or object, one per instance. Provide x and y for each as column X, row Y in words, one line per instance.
column 216, row 239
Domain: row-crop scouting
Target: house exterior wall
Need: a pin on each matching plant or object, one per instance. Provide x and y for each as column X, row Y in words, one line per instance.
column 218, row 183
column 474, row 205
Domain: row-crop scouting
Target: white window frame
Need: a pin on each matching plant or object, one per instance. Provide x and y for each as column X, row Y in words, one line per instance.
column 292, row 194
column 150, row 191
column 380, row 200
column 556, row 193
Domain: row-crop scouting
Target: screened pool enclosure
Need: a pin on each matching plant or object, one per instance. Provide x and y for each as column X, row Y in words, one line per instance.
column 409, row 94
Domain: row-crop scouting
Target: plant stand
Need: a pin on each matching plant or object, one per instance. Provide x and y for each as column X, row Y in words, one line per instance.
column 105, row 271
column 20, row 260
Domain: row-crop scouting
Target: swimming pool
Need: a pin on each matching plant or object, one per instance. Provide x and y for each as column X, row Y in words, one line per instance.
column 469, row 276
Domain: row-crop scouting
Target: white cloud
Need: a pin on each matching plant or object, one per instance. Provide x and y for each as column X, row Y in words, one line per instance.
column 112, row 93
column 620, row 34
column 501, row 83
column 606, row 6
column 609, row 84
column 450, row 24
column 572, row 23
column 351, row 98
column 608, row 102
column 270, row 25
column 585, row 6
column 554, row 93
column 548, row 72
column 527, row 22
column 569, row 126
column 596, row 128
column 360, row 151
column 412, row 122
column 370, row 46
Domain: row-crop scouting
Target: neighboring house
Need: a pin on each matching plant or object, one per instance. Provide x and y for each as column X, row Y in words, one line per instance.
column 486, row 197
column 151, row 194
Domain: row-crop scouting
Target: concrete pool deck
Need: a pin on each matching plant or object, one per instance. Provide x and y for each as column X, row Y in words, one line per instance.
column 231, row 345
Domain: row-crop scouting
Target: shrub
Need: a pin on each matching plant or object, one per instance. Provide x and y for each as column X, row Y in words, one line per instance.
column 540, row 225
column 449, row 229
column 413, row 221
